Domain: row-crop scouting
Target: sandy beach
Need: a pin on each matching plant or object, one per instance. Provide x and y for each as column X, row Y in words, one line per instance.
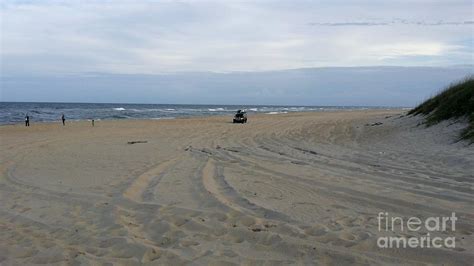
column 297, row 188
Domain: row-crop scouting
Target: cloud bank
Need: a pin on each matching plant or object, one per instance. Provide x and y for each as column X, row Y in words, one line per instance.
column 362, row 86
column 394, row 22
column 150, row 37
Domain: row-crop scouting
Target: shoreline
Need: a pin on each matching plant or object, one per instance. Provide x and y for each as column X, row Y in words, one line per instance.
column 231, row 114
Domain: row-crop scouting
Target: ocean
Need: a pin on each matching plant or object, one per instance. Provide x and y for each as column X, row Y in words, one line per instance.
column 15, row 112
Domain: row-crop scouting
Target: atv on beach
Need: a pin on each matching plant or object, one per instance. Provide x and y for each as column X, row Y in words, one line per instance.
column 240, row 117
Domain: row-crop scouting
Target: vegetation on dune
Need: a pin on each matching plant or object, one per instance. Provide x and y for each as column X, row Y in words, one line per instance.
column 456, row 101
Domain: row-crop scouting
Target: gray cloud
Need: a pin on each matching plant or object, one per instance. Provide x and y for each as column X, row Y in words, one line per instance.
column 150, row 37
column 393, row 22
column 338, row 24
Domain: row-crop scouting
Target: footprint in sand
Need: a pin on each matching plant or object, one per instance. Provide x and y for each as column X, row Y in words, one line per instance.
column 247, row 221
column 317, row 230
column 347, row 236
column 188, row 243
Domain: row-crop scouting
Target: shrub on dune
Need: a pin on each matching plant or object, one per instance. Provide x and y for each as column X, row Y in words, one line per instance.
column 456, row 101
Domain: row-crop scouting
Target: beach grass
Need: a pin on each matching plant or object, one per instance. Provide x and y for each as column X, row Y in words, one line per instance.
column 456, row 101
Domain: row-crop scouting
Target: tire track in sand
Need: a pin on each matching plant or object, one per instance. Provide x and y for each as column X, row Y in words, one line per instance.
column 140, row 184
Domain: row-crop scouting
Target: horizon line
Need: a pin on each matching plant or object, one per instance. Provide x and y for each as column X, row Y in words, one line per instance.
column 238, row 71
column 206, row 104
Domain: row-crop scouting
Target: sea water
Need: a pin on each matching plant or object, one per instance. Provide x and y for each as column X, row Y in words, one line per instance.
column 15, row 112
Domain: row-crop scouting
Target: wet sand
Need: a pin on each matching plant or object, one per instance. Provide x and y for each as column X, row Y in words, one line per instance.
column 298, row 188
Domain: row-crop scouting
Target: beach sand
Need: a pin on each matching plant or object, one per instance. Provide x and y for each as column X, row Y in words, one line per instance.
column 301, row 188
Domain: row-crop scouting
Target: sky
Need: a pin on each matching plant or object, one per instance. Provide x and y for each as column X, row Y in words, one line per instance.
column 43, row 42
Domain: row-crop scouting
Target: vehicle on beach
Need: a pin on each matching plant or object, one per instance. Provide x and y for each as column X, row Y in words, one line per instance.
column 240, row 117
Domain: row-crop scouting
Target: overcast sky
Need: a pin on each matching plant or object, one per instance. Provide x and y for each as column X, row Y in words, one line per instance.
column 77, row 38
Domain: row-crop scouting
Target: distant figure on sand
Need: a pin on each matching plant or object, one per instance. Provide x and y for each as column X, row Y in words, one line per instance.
column 92, row 122
column 27, row 120
column 63, row 118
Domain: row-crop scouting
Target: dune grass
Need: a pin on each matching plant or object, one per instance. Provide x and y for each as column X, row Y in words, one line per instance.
column 455, row 102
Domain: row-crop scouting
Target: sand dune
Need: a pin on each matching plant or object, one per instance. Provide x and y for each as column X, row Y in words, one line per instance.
column 297, row 188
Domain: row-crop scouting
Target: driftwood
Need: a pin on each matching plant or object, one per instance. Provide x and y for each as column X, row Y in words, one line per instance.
column 137, row 141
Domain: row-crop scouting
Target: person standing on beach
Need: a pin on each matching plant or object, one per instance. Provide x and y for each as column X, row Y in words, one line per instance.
column 63, row 119
column 92, row 122
column 27, row 120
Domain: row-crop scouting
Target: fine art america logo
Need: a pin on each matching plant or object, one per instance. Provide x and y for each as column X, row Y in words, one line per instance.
column 429, row 225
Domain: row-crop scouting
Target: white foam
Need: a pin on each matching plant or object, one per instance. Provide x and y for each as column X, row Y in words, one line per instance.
column 119, row 109
column 162, row 118
column 215, row 110
column 276, row 113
